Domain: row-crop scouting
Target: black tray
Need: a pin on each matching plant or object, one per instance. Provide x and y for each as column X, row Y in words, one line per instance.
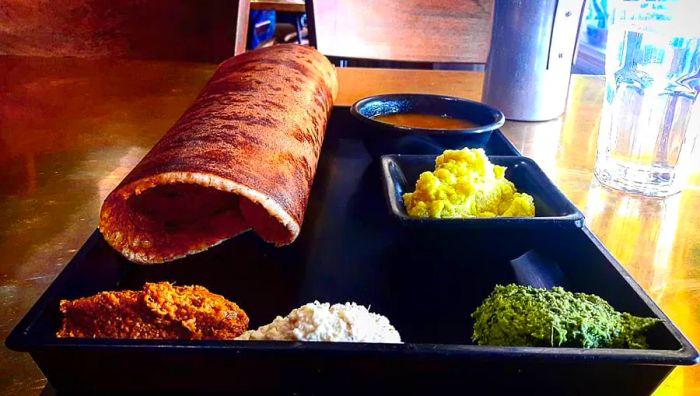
column 426, row 282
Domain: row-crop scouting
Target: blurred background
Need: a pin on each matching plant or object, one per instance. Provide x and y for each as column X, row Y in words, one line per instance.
column 285, row 21
column 205, row 30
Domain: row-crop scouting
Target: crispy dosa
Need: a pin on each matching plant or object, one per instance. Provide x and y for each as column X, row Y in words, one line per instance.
column 242, row 156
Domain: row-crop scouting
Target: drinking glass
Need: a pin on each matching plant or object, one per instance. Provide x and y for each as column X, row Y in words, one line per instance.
column 652, row 69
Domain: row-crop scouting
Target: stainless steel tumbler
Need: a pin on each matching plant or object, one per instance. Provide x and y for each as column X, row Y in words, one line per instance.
column 529, row 63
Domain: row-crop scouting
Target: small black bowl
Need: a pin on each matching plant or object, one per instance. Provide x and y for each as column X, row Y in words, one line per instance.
column 385, row 138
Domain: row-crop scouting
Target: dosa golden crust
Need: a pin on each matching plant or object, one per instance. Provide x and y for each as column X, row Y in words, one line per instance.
column 242, row 156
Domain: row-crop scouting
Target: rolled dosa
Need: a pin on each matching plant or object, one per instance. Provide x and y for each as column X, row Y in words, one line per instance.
column 242, row 156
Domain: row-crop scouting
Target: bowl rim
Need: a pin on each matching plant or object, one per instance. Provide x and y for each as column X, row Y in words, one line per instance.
column 498, row 116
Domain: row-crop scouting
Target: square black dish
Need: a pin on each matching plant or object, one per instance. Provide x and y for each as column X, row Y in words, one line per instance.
column 552, row 208
column 426, row 282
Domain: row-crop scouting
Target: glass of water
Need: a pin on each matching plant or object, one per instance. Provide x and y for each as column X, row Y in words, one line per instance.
column 652, row 69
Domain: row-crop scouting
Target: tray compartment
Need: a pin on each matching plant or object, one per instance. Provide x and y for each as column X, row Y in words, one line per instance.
column 427, row 293
column 552, row 208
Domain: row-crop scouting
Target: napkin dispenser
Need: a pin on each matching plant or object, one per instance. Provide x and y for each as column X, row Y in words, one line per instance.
column 529, row 63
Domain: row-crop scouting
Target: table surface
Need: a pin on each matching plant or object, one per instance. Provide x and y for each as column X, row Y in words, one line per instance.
column 71, row 129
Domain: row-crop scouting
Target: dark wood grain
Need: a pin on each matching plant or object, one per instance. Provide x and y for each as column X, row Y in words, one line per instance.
column 205, row 30
column 447, row 31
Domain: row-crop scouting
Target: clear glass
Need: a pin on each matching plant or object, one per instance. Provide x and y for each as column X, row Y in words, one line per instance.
column 652, row 71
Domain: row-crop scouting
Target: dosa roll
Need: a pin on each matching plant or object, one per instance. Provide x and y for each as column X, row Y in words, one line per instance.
column 242, row 156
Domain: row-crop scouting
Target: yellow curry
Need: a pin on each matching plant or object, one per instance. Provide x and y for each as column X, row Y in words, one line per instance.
column 466, row 184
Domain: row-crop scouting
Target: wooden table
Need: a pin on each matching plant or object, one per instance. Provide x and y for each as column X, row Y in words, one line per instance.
column 71, row 129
